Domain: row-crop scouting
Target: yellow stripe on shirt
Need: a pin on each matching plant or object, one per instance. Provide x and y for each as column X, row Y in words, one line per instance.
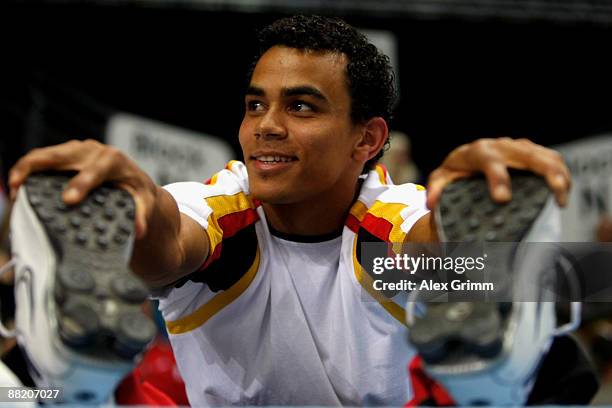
column 218, row 302
column 222, row 205
column 381, row 175
column 366, row 282
column 392, row 213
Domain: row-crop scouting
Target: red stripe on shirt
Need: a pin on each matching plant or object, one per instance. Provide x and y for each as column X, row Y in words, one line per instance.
column 379, row 227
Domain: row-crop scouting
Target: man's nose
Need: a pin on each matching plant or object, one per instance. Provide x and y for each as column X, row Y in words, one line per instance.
column 271, row 125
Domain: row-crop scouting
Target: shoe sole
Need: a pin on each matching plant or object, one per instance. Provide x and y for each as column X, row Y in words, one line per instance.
column 98, row 299
column 466, row 213
column 449, row 332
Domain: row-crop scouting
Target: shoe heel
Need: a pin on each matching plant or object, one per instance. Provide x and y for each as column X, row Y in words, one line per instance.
column 453, row 330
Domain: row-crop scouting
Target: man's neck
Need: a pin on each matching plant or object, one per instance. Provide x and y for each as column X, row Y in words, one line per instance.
column 318, row 216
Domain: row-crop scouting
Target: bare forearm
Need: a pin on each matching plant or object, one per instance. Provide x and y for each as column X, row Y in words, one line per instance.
column 173, row 246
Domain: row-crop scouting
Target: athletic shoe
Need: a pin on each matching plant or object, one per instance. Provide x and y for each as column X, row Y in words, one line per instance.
column 488, row 353
column 78, row 306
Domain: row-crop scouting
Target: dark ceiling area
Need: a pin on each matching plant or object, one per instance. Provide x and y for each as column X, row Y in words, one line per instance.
column 68, row 66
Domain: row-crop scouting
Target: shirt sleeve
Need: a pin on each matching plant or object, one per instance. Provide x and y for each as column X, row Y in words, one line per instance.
column 222, row 206
column 190, row 198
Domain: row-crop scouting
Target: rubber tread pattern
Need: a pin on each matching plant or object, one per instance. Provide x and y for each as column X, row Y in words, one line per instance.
column 95, row 292
column 468, row 214
column 451, row 331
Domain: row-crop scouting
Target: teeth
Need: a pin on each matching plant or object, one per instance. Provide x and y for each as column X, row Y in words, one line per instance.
column 274, row 159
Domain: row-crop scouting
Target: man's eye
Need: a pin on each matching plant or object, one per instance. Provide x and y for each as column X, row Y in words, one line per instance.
column 300, row 106
column 255, row 106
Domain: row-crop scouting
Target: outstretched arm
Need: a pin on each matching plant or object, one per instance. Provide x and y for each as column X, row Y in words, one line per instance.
column 493, row 157
column 168, row 245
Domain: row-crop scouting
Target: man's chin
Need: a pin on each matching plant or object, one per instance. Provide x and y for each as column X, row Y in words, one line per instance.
column 273, row 199
column 272, row 196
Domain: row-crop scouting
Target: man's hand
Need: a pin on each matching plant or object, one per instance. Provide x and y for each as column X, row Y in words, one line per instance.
column 493, row 157
column 95, row 164
column 169, row 245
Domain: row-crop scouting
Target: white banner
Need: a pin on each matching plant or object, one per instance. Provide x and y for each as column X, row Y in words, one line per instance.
column 168, row 153
column 590, row 161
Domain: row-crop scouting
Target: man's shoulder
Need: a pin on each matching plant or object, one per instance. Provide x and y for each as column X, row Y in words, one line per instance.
column 402, row 192
column 378, row 188
column 229, row 181
column 233, row 177
column 385, row 211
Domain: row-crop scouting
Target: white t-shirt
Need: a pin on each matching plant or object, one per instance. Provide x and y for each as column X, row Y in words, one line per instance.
column 268, row 320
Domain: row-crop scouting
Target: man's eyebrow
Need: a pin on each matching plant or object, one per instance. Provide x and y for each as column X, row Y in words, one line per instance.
column 255, row 91
column 304, row 90
column 288, row 92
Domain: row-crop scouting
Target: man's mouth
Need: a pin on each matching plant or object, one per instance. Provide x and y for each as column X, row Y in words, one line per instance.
column 275, row 159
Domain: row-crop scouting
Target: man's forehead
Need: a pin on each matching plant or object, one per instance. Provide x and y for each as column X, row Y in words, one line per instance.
column 333, row 54
column 302, row 57
column 288, row 67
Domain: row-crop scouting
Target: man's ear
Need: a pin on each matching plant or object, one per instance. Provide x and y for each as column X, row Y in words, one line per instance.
column 374, row 134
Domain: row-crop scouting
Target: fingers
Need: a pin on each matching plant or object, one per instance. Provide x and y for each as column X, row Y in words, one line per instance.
column 80, row 185
column 558, row 177
column 65, row 156
column 112, row 165
column 94, row 163
column 498, row 180
column 493, row 157
column 140, row 201
column 141, row 216
column 479, row 156
column 38, row 159
column 436, row 183
column 94, row 172
column 497, row 177
column 524, row 154
column 144, row 198
column 439, row 179
column 560, row 187
column 484, row 156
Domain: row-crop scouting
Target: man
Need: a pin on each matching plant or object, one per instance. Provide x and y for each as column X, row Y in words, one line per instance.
column 258, row 268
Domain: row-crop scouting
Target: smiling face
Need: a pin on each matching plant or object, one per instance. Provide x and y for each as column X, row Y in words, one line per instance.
column 297, row 137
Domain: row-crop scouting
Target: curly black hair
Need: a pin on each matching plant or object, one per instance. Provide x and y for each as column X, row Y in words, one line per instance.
column 370, row 78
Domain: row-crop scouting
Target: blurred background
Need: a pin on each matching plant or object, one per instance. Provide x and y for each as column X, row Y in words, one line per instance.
column 164, row 81
column 466, row 68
